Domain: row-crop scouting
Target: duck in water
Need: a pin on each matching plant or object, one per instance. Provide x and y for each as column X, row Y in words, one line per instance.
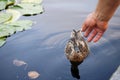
column 76, row 51
column 76, row 48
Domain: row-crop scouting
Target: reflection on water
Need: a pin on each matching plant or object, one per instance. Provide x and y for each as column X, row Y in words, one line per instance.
column 76, row 51
column 75, row 70
column 43, row 46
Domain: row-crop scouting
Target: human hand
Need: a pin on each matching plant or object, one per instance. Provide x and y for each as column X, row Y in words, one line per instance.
column 94, row 28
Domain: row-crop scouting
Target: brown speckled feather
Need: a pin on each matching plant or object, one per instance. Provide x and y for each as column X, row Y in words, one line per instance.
column 76, row 48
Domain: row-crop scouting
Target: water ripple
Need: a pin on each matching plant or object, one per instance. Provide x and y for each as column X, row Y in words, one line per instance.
column 56, row 39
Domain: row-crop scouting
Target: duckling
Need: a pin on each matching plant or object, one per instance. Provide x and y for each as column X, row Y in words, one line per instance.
column 76, row 49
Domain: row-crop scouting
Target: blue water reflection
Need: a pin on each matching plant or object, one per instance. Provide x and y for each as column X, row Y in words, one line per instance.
column 42, row 47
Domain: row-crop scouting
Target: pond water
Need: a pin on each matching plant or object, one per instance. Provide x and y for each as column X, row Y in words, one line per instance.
column 41, row 49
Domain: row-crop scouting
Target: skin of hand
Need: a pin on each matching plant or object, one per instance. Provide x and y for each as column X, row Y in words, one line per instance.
column 97, row 22
column 94, row 28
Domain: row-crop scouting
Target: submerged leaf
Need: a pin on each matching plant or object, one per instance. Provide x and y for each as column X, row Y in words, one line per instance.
column 17, row 62
column 31, row 1
column 5, row 17
column 33, row 74
column 2, row 41
column 28, row 9
column 15, row 15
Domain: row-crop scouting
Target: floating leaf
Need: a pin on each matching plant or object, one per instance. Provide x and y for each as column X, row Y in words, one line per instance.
column 15, row 15
column 6, row 3
column 31, row 1
column 22, row 25
column 5, row 17
column 33, row 74
column 28, row 9
column 8, row 20
column 2, row 41
column 3, row 4
column 10, row 2
column 15, row 7
column 6, row 30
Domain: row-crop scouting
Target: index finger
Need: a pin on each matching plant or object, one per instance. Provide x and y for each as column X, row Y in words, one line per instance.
column 84, row 27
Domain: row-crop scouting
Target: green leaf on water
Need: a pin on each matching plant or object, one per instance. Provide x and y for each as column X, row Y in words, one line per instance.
column 6, row 3
column 3, row 4
column 5, row 17
column 9, row 23
column 22, row 25
column 10, row 2
column 31, row 1
column 2, row 41
column 9, row 29
column 15, row 15
column 15, row 7
column 28, row 9
column 6, row 30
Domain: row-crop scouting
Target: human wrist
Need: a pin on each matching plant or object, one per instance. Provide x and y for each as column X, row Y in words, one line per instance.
column 106, row 9
column 103, row 24
column 101, row 16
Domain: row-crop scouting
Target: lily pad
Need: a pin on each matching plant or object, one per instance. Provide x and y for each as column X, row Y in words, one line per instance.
column 9, row 29
column 3, row 4
column 2, row 41
column 6, row 30
column 22, row 25
column 9, row 23
column 15, row 15
column 28, row 9
column 31, row 1
column 10, row 2
column 5, row 17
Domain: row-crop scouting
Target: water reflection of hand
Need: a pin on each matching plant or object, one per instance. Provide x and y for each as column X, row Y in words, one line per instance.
column 94, row 28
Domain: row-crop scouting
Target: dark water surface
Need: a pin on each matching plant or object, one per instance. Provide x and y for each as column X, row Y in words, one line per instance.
column 42, row 47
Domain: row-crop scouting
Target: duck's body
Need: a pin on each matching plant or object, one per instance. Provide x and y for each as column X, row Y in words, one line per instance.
column 76, row 49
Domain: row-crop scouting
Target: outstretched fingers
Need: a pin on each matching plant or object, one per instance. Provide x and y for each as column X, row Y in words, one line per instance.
column 98, row 36
column 92, row 35
column 88, row 31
